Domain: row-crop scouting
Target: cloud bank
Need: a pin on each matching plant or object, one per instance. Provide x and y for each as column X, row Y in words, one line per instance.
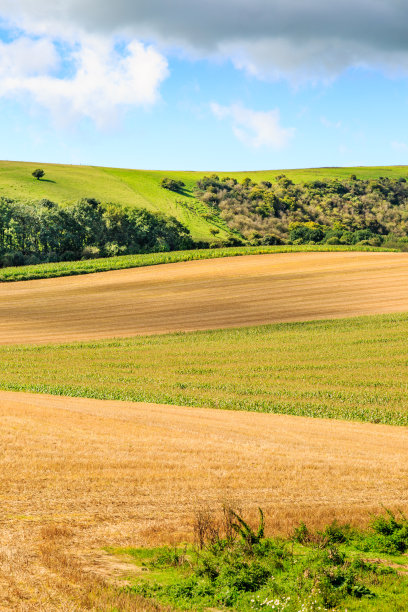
column 92, row 58
column 297, row 39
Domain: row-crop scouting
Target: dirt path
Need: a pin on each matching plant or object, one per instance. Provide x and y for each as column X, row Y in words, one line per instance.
column 79, row 474
column 236, row 291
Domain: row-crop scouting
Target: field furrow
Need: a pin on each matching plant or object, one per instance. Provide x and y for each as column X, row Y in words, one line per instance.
column 207, row 294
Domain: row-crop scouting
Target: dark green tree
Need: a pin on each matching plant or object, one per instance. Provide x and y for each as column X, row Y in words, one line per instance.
column 38, row 174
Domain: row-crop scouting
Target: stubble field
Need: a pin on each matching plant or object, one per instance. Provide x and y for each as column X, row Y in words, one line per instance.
column 77, row 475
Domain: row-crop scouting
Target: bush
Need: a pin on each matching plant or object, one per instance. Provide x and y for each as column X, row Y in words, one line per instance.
column 390, row 534
column 91, row 252
column 306, row 232
column 15, row 258
column 172, row 184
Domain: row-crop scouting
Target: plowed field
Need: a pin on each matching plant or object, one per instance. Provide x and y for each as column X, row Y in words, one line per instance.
column 207, row 294
column 116, row 473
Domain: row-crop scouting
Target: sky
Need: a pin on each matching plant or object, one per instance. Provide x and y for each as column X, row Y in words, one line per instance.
column 214, row 85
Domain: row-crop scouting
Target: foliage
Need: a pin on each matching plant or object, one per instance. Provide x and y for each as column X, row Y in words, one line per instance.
column 389, row 534
column 47, row 232
column 336, row 211
column 274, row 574
column 141, row 188
column 248, row 535
column 172, row 184
column 38, row 174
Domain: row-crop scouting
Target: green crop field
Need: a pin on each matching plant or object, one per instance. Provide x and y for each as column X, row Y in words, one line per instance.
column 354, row 369
column 141, row 188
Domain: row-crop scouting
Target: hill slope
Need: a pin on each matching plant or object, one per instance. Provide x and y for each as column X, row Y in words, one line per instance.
column 141, row 188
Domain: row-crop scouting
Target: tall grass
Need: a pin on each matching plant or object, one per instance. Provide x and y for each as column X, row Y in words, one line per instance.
column 353, row 369
column 73, row 268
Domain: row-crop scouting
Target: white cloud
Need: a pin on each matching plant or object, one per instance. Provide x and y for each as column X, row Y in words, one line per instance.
column 255, row 128
column 27, row 57
column 102, row 80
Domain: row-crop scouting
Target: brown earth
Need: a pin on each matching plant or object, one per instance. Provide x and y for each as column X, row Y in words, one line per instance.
column 230, row 292
column 80, row 474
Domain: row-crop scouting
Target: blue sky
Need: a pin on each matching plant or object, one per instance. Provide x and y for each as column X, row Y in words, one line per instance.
column 128, row 92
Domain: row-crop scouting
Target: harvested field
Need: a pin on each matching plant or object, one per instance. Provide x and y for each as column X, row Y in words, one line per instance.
column 79, row 474
column 202, row 295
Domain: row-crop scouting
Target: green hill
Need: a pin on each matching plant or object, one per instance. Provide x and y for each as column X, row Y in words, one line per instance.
column 141, row 188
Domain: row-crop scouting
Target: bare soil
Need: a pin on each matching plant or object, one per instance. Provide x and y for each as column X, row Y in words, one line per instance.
column 230, row 292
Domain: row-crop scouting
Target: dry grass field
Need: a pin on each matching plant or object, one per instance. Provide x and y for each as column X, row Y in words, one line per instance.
column 205, row 294
column 79, row 474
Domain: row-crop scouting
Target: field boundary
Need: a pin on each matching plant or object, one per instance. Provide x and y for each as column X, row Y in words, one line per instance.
column 123, row 262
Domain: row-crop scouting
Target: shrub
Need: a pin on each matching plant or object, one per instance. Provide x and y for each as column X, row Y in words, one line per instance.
column 333, row 240
column 91, row 252
column 172, row 184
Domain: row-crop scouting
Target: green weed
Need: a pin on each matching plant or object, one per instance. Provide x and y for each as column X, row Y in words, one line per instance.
column 274, row 574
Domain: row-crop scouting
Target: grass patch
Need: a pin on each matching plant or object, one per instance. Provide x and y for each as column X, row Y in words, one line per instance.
column 89, row 266
column 352, row 369
column 233, row 566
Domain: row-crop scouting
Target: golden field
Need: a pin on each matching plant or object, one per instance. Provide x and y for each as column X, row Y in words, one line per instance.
column 208, row 294
column 79, row 474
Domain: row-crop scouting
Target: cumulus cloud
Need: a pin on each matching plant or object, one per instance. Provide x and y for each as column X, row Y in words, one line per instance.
column 100, row 81
column 296, row 39
column 255, row 128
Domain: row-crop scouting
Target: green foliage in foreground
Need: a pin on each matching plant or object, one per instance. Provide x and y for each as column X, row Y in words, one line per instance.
column 353, row 369
column 309, row 572
column 73, row 268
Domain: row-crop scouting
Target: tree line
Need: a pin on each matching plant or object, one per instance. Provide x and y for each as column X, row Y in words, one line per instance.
column 349, row 211
column 32, row 233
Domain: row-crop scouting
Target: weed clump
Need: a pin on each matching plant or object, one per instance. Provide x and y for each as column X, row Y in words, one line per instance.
column 234, row 566
column 389, row 534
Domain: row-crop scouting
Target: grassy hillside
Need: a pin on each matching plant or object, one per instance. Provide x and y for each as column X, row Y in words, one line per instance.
column 351, row 369
column 141, row 188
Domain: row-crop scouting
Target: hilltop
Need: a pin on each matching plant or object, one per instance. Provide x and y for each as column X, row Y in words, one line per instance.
column 66, row 184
